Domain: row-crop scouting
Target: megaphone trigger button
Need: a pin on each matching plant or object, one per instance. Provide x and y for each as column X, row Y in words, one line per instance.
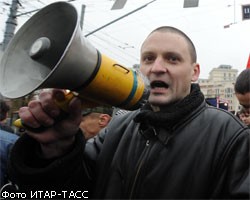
column 39, row 47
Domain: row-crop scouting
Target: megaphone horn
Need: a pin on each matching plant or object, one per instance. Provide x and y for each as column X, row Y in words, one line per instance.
column 49, row 51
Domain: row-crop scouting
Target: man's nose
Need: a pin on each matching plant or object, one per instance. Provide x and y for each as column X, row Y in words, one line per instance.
column 159, row 66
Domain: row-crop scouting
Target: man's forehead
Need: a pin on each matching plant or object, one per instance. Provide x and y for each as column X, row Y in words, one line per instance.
column 171, row 40
column 163, row 34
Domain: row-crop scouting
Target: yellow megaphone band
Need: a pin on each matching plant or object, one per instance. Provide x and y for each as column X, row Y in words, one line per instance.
column 114, row 85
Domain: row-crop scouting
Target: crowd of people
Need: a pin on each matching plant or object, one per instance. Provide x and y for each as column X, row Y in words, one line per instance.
column 174, row 147
column 7, row 139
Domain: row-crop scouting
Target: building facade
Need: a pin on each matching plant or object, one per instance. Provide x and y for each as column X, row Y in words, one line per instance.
column 220, row 85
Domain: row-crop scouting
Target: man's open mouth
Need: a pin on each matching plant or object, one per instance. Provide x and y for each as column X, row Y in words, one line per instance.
column 158, row 84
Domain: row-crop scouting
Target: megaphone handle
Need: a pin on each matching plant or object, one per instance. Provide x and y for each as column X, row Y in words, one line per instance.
column 62, row 104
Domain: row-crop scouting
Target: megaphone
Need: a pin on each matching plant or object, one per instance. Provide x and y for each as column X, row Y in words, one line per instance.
column 48, row 51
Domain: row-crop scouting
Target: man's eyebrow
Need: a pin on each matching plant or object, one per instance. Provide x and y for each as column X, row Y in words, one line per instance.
column 147, row 52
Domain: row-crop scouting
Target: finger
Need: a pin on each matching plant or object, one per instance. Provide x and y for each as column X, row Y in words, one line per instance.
column 27, row 118
column 38, row 112
column 71, row 122
column 58, row 94
column 48, row 103
column 63, row 98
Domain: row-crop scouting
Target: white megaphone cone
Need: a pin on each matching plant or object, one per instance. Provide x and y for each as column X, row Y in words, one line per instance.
column 49, row 51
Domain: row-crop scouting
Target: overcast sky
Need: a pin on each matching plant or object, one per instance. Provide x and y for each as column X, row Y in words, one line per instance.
column 121, row 41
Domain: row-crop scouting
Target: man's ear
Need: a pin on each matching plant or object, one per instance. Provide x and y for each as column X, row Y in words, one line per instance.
column 196, row 72
column 104, row 120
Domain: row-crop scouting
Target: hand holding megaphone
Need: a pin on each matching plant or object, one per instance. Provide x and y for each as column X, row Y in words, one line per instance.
column 46, row 121
column 63, row 104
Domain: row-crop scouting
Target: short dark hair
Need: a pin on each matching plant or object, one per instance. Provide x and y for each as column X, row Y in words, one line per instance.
column 242, row 84
column 192, row 49
column 4, row 108
column 99, row 109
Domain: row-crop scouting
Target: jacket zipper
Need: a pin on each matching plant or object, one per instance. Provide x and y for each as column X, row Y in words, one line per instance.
column 145, row 151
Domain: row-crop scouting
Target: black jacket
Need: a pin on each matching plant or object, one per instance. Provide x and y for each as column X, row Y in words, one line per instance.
column 193, row 160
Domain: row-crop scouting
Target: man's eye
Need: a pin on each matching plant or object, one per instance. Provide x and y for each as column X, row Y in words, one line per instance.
column 148, row 58
column 172, row 58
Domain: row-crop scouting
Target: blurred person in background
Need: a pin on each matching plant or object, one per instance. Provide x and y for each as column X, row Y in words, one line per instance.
column 7, row 140
column 244, row 116
column 95, row 119
column 4, row 109
column 242, row 89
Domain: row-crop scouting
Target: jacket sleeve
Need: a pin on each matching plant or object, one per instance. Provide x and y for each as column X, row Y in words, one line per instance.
column 233, row 174
column 32, row 173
